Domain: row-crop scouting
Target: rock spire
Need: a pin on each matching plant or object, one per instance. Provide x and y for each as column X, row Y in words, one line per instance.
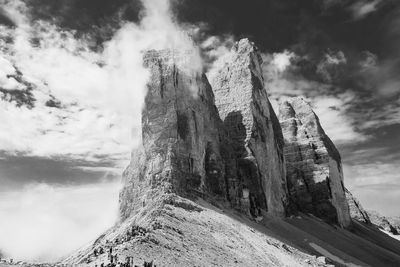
column 313, row 164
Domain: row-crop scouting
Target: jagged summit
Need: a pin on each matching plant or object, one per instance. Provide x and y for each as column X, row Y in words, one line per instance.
column 313, row 164
column 244, row 107
column 209, row 184
column 190, row 148
column 180, row 150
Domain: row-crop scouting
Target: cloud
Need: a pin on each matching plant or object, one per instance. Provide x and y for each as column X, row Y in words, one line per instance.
column 97, row 98
column 281, row 61
column 215, row 49
column 43, row 223
column 7, row 71
column 359, row 9
column 374, row 173
column 333, row 114
column 379, row 76
column 17, row 171
column 329, row 68
column 363, row 8
column 284, row 79
column 375, row 184
column 101, row 93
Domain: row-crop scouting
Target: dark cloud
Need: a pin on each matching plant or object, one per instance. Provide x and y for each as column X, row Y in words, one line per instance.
column 16, row 171
column 5, row 20
column 98, row 19
column 319, row 32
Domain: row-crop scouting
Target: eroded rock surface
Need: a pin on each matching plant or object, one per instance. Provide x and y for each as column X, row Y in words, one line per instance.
column 180, row 135
column 357, row 212
column 253, row 127
column 314, row 171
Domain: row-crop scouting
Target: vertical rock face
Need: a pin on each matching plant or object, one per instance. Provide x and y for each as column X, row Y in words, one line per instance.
column 253, row 128
column 180, row 136
column 188, row 150
column 314, row 171
column 357, row 212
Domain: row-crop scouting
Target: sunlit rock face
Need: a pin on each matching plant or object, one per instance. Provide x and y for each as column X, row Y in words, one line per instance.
column 253, row 128
column 313, row 164
column 181, row 136
column 357, row 212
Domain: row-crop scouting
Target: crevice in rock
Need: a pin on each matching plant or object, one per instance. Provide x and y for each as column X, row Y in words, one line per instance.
column 162, row 81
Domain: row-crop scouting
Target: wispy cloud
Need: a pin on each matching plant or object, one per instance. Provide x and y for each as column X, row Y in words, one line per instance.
column 376, row 185
column 363, row 8
column 359, row 9
column 96, row 98
column 101, row 94
column 283, row 79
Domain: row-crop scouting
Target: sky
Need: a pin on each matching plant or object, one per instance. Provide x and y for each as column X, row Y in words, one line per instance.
column 72, row 86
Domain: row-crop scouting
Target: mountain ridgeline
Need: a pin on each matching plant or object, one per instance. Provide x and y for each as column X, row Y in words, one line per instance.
column 220, row 180
column 224, row 142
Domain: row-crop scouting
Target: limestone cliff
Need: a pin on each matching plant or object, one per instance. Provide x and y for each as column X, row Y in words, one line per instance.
column 314, row 171
column 252, row 126
column 180, row 136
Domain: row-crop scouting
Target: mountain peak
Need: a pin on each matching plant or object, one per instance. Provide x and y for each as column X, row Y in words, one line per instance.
column 314, row 169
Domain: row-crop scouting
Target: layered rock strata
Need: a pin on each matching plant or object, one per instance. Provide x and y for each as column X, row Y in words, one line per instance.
column 181, row 136
column 253, row 128
column 313, row 164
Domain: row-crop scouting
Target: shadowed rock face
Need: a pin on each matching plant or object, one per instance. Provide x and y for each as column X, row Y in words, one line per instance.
column 180, row 136
column 188, row 150
column 252, row 126
column 314, row 171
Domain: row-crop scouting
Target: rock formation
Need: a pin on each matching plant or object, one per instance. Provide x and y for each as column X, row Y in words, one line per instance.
column 357, row 212
column 181, row 137
column 188, row 150
column 313, row 164
column 232, row 157
column 252, row 126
